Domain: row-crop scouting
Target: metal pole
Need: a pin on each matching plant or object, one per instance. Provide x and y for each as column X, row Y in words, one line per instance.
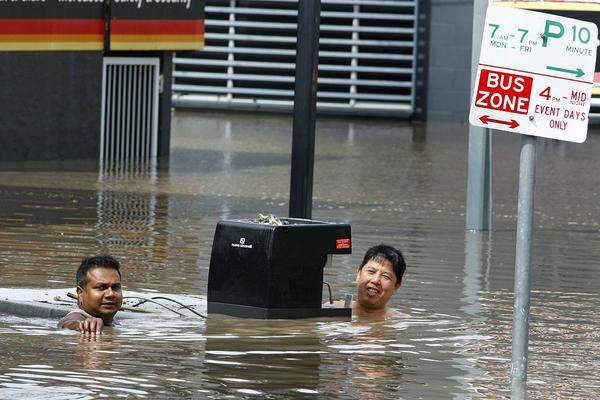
column 479, row 179
column 305, row 108
column 520, row 334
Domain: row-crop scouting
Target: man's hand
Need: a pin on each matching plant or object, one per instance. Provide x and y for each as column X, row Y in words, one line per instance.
column 91, row 326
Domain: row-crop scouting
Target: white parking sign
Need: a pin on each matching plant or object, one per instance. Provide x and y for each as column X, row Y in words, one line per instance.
column 535, row 74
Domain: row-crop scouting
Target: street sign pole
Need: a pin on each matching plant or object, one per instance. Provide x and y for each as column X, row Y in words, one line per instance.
column 479, row 170
column 479, row 179
column 520, row 331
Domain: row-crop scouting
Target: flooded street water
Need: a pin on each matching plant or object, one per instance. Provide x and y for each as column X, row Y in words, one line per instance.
column 393, row 182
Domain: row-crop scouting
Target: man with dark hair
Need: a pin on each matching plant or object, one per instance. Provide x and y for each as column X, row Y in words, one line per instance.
column 377, row 279
column 99, row 295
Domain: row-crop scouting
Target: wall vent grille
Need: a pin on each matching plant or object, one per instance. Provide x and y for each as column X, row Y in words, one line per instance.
column 367, row 57
column 129, row 118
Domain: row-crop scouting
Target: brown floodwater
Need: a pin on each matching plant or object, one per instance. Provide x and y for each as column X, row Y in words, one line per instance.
column 394, row 182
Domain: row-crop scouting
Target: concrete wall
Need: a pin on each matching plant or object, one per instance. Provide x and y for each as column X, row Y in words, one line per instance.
column 49, row 105
column 449, row 60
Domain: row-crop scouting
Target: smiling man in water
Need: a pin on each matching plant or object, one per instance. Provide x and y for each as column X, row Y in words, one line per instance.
column 99, row 295
column 377, row 279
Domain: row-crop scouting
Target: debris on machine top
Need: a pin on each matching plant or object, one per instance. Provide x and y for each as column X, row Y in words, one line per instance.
column 271, row 220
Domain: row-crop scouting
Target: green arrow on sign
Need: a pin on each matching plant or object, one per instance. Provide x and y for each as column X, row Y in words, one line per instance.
column 577, row 72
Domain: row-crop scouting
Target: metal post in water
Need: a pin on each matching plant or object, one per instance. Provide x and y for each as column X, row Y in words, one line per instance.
column 520, row 333
column 305, row 108
column 479, row 178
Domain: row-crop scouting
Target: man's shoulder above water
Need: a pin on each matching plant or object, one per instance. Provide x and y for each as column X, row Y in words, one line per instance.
column 76, row 315
column 385, row 314
column 81, row 321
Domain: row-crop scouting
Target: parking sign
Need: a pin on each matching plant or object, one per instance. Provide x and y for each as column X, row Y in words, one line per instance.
column 535, row 74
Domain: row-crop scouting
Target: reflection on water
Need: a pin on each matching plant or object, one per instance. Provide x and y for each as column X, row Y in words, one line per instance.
column 393, row 182
column 126, row 220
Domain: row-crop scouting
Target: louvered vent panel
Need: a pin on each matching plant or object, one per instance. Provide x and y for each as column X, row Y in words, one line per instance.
column 129, row 119
column 366, row 64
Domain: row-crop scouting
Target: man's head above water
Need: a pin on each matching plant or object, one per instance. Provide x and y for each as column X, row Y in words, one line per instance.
column 99, row 287
column 99, row 295
column 377, row 279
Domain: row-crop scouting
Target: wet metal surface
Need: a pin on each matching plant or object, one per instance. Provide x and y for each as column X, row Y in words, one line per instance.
column 394, row 183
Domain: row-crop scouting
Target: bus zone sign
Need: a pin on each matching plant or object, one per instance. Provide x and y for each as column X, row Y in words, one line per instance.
column 535, row 74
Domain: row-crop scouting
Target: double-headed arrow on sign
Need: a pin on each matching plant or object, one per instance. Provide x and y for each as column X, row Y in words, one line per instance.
column 511, row 124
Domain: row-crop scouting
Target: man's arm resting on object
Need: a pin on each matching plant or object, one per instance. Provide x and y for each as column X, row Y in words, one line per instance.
column 79, row 322
column 71, row 321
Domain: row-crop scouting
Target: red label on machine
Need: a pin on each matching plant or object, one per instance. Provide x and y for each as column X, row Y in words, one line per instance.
column 503, row 91
column 342, row 244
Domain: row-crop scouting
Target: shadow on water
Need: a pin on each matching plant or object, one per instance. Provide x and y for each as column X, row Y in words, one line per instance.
column 394, row 182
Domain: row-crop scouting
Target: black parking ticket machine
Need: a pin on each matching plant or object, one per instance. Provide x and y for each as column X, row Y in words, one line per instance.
column 274, row 271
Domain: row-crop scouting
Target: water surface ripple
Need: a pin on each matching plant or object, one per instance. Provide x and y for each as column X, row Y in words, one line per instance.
column 395, row 183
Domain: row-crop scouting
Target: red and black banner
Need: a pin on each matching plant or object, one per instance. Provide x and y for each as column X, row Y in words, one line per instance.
column 86, row 24
column 51, row 25
column 157, row 25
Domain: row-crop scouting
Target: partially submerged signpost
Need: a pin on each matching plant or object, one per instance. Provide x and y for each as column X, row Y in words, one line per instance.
column 535, row 77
